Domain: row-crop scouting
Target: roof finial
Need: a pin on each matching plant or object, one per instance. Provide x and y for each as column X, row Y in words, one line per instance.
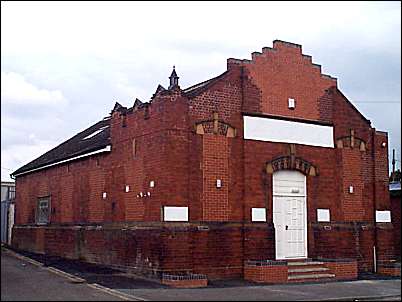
column 174, row 79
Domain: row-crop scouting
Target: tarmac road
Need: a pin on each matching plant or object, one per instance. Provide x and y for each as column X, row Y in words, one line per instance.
column 20, row 280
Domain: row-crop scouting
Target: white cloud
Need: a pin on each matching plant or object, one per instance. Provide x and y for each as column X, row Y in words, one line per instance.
column 127, row 89
column 92, row 54
column 16, row 90
column 17, row 155
column 112, row 29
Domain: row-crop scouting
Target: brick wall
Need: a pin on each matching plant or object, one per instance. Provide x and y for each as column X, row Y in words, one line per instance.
column 385, row 243
column 343, row 270
column 194, row 283
column 380, row 156
column 389, row 271
column 146, row 248
column 259, row 241
column 213, row 155
column 345, row 240
column 266, row 273
column 215, row 166
column 29, row 239
column 353, row 206
column 396, row 221
column 282, row 72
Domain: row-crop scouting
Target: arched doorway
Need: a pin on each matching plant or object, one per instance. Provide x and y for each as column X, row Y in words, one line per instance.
column 290, row 214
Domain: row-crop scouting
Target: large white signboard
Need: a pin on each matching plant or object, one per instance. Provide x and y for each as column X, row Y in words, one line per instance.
column 282, row 131
column 383, row 216
column 258, row 214
column 175, row 213
column 323, row 215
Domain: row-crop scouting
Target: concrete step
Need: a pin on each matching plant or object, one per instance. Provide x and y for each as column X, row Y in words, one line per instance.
column 310, row 276
column 300, row 260
column 300, row 263
column 308, row 269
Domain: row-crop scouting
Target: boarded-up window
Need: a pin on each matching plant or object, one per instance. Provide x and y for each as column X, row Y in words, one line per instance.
column 175, row 213
column 323, row 215
column 43, row 210
column 382, row 216
column 284, row 131
column 258, row 214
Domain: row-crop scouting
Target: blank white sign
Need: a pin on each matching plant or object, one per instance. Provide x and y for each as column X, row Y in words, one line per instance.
column 323, row 215
column 258, row 214
column 383, row 216
column 175, row 213
column 275, row 130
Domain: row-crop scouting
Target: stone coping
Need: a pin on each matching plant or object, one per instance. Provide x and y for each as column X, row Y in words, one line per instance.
column 265, row 262
column 285, row 262
column 143, row 225
column 189, row 276
column 335, row 259
column 392, row 264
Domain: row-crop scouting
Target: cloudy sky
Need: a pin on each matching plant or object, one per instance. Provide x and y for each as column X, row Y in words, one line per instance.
column 63, row 65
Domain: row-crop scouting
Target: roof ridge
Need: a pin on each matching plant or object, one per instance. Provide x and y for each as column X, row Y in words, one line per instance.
column 199, row 86
column 64, row 150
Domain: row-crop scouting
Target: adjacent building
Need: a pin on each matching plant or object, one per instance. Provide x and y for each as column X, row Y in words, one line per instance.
column 267, row 162
column 7, row 210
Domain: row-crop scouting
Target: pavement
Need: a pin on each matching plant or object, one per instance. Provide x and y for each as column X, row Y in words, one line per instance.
column 34, row 277
column 24, row 281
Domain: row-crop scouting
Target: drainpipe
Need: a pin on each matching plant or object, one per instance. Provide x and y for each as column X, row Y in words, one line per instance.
column 375, row 259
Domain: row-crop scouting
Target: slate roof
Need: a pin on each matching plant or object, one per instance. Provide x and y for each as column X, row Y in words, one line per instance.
column 78, row 145
column 200, row 87
column 75, row 146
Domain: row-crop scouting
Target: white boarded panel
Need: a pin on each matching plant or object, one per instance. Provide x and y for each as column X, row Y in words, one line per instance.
column 258, row 214
column 383, row 216
column 289, row 183
column 275, row 130
column 323, row 215
column 175, row 213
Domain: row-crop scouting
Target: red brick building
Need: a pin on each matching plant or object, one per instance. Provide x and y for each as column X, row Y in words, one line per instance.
column 267, row 162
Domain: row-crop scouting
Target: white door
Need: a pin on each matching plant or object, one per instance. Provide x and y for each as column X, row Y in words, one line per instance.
column 290, row 214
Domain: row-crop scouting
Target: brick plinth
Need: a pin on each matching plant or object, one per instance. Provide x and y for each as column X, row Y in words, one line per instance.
column 389, row 269
column 343, row 269
column 144, row 248
column 266, row 271
column 185, row 281
column 396, row 221
column 346, row 240
column 29, row 238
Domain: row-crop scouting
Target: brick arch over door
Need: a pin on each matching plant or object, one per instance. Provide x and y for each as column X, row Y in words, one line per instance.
column 291, row 162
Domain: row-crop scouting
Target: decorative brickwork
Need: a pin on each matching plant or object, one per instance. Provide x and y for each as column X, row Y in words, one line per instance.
column 291, row 163
column 215, row 167
column 285, row 66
